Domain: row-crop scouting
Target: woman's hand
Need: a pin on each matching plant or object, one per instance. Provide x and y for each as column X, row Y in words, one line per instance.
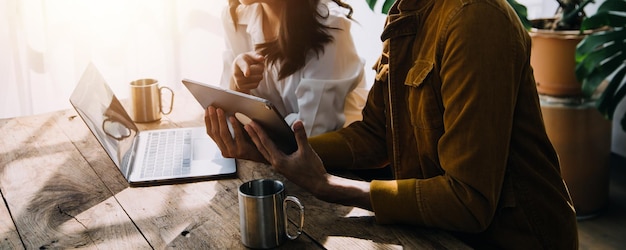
column 235, row 145
column 248, row 71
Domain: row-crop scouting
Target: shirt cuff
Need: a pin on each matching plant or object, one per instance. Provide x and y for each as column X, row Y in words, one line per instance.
column 395, row 201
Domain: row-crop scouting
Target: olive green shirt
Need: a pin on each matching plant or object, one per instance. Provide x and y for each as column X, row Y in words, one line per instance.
column 455, row 112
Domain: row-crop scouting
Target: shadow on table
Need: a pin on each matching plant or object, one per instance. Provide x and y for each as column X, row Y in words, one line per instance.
column 83, row 201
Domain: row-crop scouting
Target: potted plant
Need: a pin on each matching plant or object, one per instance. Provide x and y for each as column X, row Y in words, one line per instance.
column 599, row 53
column 576, row 98
column 602, row 55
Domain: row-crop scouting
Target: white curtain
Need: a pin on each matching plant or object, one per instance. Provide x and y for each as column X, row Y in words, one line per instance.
column 46, row 44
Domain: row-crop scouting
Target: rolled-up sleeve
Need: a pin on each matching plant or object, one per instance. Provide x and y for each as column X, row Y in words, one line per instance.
column 394, row 200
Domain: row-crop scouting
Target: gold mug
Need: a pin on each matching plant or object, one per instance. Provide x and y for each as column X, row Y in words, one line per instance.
column 146, row 100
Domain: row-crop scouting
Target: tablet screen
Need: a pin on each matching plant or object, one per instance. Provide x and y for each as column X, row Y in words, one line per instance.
column 249, row 107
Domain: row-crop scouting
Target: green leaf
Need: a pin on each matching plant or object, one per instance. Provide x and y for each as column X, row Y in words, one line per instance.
column 612, row 5
column 603, row 54
column 608, row 102
column 598, row 56
column 521, row 12
column 596, row 48
column 603, row 19
column 371, row 3
column 387, row 5
column 610, row 13
column 596, row 40
column 600, row 73
column 619, row 94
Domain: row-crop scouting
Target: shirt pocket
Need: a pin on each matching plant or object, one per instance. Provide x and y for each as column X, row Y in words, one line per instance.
column 423, row 96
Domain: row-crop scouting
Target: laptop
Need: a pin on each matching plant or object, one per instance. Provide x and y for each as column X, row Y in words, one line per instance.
column 146, row 157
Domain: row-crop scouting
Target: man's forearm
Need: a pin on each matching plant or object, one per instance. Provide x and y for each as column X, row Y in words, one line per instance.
column 344, row 191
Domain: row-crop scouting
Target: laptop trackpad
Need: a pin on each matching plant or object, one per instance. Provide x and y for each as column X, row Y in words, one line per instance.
column 203, row 149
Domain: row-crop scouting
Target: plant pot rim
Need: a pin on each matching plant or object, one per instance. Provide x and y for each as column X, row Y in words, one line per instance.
column 577, row 102
column 563, row 34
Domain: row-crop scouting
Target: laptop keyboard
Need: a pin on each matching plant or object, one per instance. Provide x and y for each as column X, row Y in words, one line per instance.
column 168, row 154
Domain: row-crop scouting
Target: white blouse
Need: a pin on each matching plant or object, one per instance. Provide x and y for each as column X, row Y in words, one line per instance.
column 327, row 94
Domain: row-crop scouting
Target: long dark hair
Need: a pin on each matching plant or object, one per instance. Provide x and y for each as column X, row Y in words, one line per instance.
column 300, row 32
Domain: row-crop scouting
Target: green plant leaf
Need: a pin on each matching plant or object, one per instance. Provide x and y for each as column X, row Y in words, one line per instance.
column 371, row 3
column 387, row 5
column 522, row 13
column 601, row 72
column 602, row 55
column 608, row 102
column 603, row 19
column 588, row 62
column 593, row 51
column 612, row 5
column 572, row 14
column 596, row 40
column 619, row 94
column 606, row 15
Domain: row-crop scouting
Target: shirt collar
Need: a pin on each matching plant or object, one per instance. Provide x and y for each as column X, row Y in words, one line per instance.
column 252, row 17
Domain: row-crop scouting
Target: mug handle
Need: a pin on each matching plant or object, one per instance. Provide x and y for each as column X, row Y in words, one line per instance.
column 297, row 202
column 117, row 138
column 171, row 100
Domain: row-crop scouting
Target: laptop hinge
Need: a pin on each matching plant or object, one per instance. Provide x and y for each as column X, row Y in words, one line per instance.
column 131, row 158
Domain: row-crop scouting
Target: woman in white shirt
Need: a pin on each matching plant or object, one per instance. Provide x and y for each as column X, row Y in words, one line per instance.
column 300, row 56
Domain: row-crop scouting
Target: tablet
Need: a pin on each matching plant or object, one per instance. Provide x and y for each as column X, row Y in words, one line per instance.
column 245, row 108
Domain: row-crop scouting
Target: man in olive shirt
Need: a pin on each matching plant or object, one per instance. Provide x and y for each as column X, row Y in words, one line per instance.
column 454, row 111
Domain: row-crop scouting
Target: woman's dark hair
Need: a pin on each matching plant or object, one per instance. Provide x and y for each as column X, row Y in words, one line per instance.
column 300, row 32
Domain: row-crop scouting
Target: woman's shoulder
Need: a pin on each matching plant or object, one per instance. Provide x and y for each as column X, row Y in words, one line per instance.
column 246, row 14
column 336, row 17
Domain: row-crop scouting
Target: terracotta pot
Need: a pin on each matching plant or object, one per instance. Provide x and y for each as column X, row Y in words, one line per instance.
column 582, row 139
column 553, row 60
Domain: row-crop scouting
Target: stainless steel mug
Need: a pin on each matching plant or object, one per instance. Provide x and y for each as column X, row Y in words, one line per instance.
column 263, row 213
column 146, row 100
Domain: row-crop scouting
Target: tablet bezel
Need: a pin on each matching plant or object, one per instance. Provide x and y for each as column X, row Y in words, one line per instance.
column 258, row 109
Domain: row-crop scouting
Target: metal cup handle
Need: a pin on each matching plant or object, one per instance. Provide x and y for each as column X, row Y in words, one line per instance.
column 297, row 202
column 171, row 100
column 117, row 138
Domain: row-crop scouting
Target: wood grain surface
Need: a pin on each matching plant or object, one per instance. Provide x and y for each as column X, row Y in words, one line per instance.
column 9, row 238
column 55, row 197
column 61, row 190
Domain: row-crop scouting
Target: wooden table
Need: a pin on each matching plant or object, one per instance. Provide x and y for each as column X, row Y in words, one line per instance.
column 60, row 190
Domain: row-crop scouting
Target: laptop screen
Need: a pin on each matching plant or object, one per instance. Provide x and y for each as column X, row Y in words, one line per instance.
column 105, row 116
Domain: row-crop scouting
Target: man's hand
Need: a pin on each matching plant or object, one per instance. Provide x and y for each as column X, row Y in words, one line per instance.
column 248, row 71
column 305, row 169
